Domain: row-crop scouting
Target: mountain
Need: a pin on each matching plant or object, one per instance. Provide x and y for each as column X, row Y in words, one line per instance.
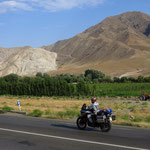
column 118, row 46
column 28, row 61
column 6, row 52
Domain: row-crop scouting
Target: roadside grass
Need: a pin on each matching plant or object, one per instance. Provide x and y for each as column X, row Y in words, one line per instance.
column 128, row 111
column 36, row 113
column 147, row 119
column 65, row 114
column 68, row 114
column 145, row 104
column 125, row 117
column 6, row 109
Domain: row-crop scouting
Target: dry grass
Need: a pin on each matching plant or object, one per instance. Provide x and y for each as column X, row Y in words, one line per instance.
column 29, row 104
column 128, row 111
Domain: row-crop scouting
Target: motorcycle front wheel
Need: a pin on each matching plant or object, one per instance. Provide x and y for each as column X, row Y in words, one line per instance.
column 105, row 127
column 81, row 124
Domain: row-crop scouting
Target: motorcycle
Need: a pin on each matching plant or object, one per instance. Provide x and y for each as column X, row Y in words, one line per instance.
column 102, row 120
column 144, row 97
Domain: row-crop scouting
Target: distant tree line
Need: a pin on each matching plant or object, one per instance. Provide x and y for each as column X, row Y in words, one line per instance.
column 43, row 85
column 60, row 85
column 95, row 76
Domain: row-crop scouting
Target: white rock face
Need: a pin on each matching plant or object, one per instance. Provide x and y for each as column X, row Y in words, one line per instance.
column 29, row 62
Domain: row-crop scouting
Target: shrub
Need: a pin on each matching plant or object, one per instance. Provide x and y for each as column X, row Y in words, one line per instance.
column 145, row 104
column 147, row 119
column 36, row 113
column 61, row 114
column 6, row 109
column 76, row 107
column 48, row 112
column 138, row 119
column 71, row 113
column 68, row 114
column 125, row 117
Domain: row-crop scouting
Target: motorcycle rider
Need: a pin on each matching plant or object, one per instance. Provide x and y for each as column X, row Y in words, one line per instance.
column 94, row 108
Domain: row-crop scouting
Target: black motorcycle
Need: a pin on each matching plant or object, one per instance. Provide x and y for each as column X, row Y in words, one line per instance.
column 102, row 120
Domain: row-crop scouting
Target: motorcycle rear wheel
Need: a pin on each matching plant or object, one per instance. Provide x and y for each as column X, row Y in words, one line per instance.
column 81, row 124
column 105, row 127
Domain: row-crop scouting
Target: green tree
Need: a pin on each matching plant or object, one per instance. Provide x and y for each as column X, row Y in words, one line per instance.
column 95, row 74
column 39, row 74
column 11, row 78
column 116, row 79
column 124, row 79
column 140, row 79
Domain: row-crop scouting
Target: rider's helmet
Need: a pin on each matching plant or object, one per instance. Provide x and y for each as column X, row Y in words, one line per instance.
column 93, row 99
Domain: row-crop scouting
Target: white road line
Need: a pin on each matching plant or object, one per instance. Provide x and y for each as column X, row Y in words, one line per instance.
column 71, row 139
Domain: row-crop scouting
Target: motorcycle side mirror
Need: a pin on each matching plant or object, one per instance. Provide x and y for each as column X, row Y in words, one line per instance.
column 83, row 106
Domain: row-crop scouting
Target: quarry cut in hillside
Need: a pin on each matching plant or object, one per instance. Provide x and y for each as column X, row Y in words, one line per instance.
column 29, row 61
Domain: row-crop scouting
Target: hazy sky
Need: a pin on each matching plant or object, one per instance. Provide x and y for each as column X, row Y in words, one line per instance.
column 43, row 22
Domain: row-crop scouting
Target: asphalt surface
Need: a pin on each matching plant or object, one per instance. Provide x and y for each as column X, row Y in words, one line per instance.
column 28, row 133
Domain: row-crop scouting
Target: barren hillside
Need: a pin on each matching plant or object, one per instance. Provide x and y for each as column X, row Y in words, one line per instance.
column 28, row 62
column 118, row 45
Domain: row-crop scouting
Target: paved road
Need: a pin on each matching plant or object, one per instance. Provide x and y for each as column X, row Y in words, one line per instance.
column 27, row 133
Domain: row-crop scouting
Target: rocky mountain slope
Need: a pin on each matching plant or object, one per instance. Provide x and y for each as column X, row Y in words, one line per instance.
column 119, row 45
column 28, row 61
column 6, row 52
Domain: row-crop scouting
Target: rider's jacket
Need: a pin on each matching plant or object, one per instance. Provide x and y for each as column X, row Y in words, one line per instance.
column 94, row 107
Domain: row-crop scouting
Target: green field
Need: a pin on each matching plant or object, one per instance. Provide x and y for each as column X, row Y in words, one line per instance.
column 122, row 89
